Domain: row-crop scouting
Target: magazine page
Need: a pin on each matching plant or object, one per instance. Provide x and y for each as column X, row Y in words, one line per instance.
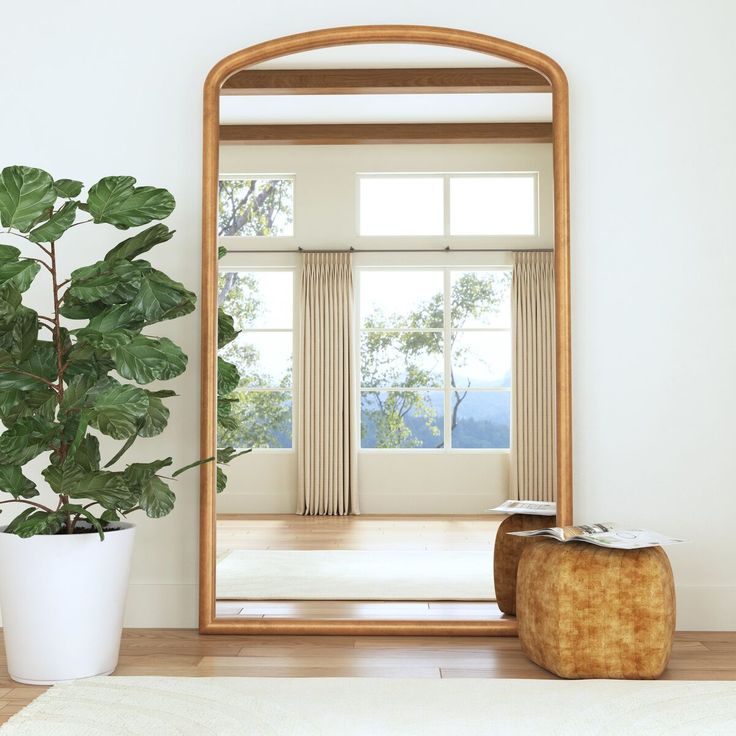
column 534, row 508
column 604, row 535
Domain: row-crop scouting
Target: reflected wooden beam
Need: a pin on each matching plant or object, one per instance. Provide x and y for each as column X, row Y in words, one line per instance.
column 383, row 81
column 350, row 134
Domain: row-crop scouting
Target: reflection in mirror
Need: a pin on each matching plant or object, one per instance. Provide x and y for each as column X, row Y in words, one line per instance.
column 386, row 230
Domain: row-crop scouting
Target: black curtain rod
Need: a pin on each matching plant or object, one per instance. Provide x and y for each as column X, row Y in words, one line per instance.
column 403, row 250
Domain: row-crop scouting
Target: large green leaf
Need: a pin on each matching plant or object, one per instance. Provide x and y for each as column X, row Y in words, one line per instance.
column 84, row 360
column 145, row 359
column 18, row 334
column 13, row 481
column 68, row 188
column 15, row 404
column 156, row 419
column 105, row 340
column 88, row 454
column 108, row 489
column 62, row 478
column 31, row 522
column 72, row 308
column 9, row 253
column 113, row 318
column 156, row 499
column 228, row 377
column 116, row 200
column 221, row 480
column 117, row 410
column 140, row 243
column 26, row 195
column 226, row 331
column 56, row 226
column 161, row 298
column 26, row 439
column 19, row 274
column 42, row 360
column 228, row 454
column 112, row 282
column 138, row 474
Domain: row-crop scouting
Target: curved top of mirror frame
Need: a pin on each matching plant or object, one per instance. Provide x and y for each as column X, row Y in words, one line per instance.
column 343, row 36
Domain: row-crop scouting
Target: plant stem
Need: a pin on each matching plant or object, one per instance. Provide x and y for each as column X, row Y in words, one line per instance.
column 30, row 503
column 60, row 366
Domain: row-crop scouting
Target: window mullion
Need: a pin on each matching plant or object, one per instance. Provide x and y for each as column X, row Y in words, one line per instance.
column 446, row 342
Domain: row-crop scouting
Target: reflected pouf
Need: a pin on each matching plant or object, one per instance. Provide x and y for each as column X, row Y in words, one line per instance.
column 586, row 611
column 506, row 555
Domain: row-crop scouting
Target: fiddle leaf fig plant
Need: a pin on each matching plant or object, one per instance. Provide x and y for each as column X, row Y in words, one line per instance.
column 228, row 378
column 84, row 368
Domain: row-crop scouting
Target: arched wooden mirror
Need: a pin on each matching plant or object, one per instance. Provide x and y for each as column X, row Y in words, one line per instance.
column 385, row 220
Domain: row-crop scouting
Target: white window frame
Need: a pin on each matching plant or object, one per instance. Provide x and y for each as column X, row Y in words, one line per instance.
column 446, row 235
column 446, row 331
column 223, row 268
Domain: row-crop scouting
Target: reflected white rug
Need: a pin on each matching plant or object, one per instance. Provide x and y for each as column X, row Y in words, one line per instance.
column 401, row 575
column 236, row 706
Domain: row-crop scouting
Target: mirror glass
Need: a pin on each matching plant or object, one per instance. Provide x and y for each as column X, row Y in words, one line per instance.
column 394, row 392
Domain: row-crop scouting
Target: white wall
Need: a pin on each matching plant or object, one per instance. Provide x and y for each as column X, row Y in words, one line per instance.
column 89, row 91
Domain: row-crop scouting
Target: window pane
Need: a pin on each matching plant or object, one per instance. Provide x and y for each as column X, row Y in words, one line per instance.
column 483, row 419
column 401, row 419
column 482, row 359
column 260, row 299
column 262, row 358
column 493, row 205
column 258, row 419
column 402, row 205
column 401, row 359
column 401, row 298
column 481, row 298
column 251, row 206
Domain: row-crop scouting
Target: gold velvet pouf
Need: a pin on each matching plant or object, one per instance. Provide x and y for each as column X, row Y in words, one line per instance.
column 507, row 552
column 587, row 611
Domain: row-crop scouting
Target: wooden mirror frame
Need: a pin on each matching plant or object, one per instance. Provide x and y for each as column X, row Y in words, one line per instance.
column 208, row 623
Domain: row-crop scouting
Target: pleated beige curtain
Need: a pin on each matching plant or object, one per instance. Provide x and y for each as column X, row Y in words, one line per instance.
column 327, row 442
column 533, row 446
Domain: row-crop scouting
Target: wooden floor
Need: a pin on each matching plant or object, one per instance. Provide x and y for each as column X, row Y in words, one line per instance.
column 393, row 533
column 184, row 653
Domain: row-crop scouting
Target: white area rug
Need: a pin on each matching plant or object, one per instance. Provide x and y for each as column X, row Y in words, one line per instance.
column 402, row 575
column 235, row 706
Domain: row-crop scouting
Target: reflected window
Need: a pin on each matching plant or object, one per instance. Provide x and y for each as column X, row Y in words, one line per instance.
column 259, row 412
column 435, row 358
column 252, row 206
column 448, row 204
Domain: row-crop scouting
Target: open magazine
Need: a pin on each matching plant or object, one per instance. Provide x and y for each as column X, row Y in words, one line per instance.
column 604, row 535
column 535, row 508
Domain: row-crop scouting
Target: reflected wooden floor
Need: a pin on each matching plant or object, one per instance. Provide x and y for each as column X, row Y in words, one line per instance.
column 185, row 653
column 290, row 532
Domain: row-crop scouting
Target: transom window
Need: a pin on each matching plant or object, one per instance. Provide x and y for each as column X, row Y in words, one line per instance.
column 256, row 205
column 448, row 204
column 261, row 303
column 435, row 358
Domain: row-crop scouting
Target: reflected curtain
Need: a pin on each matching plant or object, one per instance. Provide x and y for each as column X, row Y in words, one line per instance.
column 533, row 448
column 327, row 442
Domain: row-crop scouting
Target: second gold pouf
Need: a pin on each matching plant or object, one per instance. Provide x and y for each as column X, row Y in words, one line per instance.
column 591, row 612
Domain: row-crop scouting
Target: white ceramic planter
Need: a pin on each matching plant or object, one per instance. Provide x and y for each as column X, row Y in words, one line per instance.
column 62, row 600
